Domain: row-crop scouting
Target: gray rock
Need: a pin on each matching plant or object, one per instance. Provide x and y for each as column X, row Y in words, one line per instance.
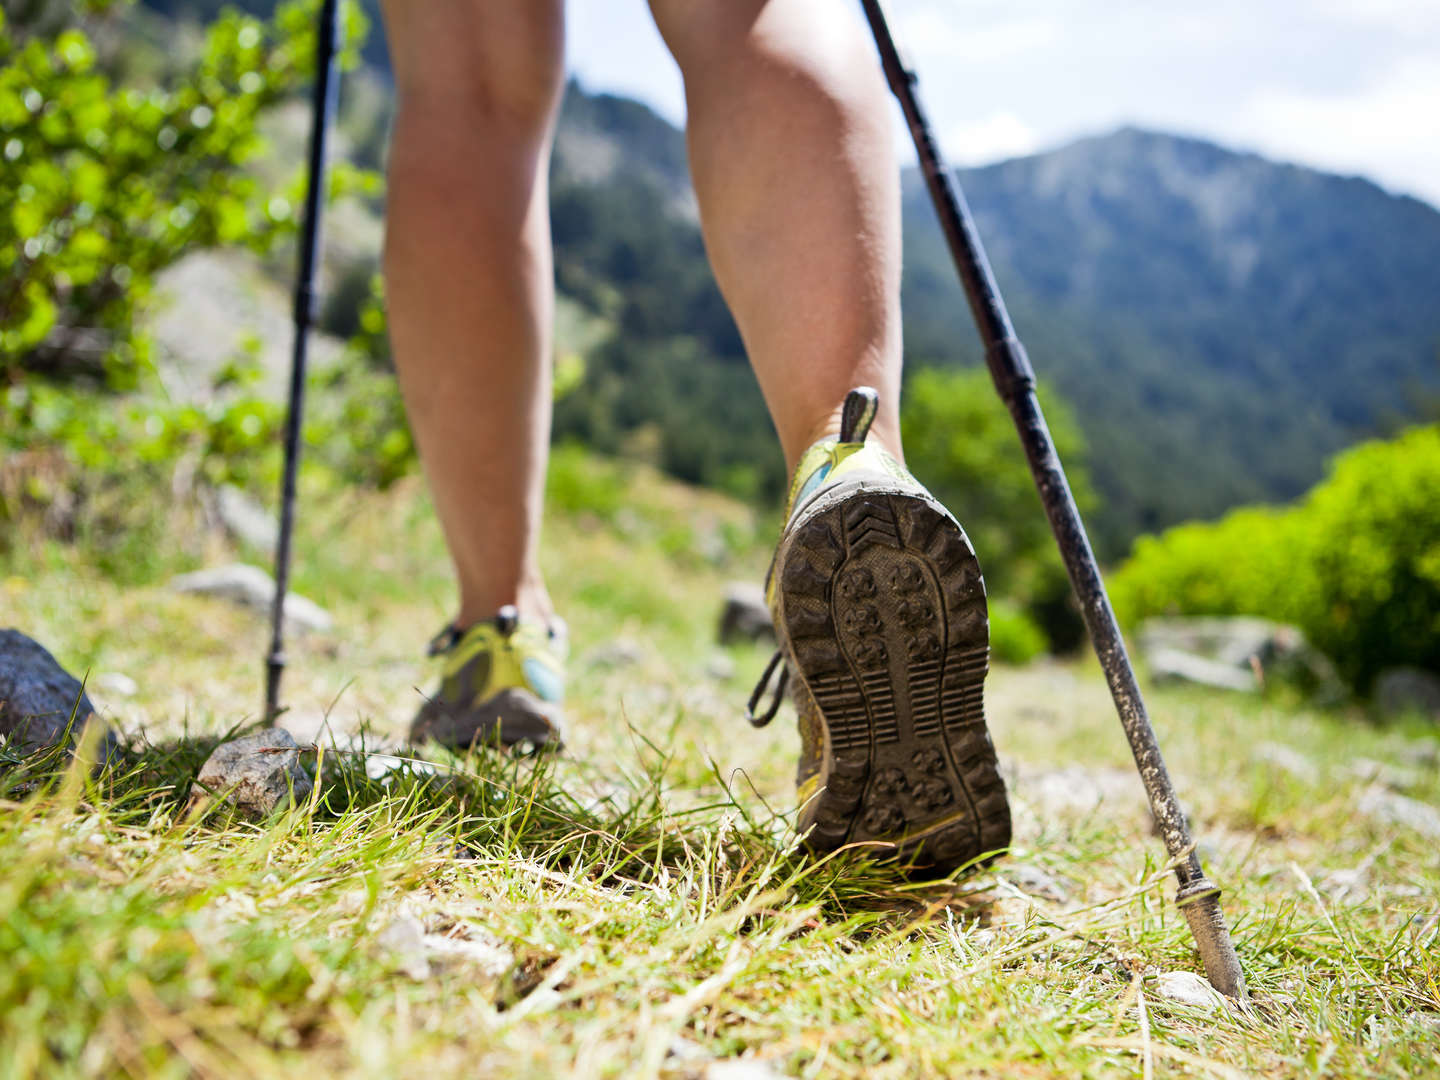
column 618, row 653
column 255, row 773
column 1075, row 791
column 720, row 667
column 1384, row 806
column 740, row 1069
column 116, row 684
column 745, row 617
column 1172, row 665
column 204, row 310
column 245, row 519
column 1288, row 760
column 1402, row 691
column 413, row 950
column 1241, row 645
column 1187, row 988
column 38, row 698
column 1394, row 777
column 252, row 587
column 1031, row 879
column 1422, row 755
column 1348, row 884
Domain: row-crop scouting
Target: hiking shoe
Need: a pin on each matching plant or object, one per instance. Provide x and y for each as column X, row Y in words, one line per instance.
column 879, row 609
column 502, row 683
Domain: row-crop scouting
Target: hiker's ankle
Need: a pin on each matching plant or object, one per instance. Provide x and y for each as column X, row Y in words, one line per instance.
column 530, row 598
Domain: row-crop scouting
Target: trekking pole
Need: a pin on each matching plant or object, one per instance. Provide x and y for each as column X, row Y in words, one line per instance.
column 323, row 102
column 1198, row 897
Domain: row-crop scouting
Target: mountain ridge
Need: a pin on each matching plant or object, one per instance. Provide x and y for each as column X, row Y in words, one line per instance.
column 1222, row 322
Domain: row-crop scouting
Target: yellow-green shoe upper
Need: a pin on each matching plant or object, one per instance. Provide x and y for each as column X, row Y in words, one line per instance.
column 502, row 681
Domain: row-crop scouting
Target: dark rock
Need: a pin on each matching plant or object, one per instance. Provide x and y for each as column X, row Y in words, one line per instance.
column 1401, row 691
column 38, row 698
column 255, row 773
column 746, row 616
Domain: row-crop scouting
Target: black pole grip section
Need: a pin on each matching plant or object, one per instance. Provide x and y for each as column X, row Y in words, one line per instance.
column 323, row 105
column 1015, row 380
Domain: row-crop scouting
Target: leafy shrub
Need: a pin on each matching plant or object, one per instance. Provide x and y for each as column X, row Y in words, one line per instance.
column 106, row 185
column 961, row 443
column 1356, row 564
column 1014, row 636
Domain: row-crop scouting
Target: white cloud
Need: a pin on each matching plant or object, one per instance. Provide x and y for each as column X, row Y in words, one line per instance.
column 1000, row 135
column 1391, row 130
column 936, row 31
column 1349, row 85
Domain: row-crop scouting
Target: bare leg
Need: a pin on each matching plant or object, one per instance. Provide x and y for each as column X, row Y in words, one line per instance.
column 790, row 148
column 469, row 276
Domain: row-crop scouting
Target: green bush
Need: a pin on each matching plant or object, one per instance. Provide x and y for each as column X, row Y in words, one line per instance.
column 961, row 443
column 1356, row 564
column 1014, row 636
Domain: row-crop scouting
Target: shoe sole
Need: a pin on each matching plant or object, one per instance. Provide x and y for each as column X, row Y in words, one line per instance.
column 883, row 611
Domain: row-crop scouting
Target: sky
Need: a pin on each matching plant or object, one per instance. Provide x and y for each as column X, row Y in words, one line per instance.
column 1348, row 86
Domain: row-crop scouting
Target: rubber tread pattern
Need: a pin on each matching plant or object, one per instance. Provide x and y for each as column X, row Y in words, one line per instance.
column 883, row 614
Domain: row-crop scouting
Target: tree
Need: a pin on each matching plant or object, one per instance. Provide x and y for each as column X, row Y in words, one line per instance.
column 961, row 443
column 106, row 184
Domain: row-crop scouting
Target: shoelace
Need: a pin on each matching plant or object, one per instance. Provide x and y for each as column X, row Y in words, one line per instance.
column 505, row 621
column 778, row 660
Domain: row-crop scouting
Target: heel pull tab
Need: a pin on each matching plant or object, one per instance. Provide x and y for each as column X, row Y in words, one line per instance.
column 506, row 619
column 858, row 414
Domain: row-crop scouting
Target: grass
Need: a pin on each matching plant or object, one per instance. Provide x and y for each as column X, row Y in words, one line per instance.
column 635, row 908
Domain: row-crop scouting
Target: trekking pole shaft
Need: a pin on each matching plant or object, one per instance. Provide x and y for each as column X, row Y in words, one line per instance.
column 327, row 84
column 1015, row 380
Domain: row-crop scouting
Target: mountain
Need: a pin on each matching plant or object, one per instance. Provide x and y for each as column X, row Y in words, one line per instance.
column 1221, row 322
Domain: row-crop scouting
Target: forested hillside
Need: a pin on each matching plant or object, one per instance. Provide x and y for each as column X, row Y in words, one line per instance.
column 1221, row 323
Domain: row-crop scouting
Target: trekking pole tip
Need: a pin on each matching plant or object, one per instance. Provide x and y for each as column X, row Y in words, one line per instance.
column 1199, row 900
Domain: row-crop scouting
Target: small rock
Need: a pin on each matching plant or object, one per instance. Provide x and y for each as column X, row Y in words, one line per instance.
column 1173, row 665
column 1385, row 806
column 1394, row 777
column 1075, row 790
column 1403, row 691
column 404, row 940
column 245, row 519
column 617, row 653
column 720, row 667
column 1422, row 755
column 1227, row 651
column 1031, row 879
column 740, row 1069
column 1348, row 884
column 487, row 955
column 116, row 683
column 683, row 1050
column 38, row 698
column 1288, row 760
column 414, row 950
column 746, row 616
column 1187, row 988
column 252, row 587
column 255, row 773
